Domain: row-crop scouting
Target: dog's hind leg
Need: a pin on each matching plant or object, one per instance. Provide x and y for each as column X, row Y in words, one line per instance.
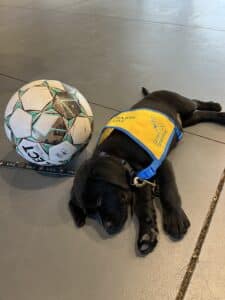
column 203, row 116
column 209, row 106
column 145, row 212
column 185, row 106
column 196, row 111
column 175, row 221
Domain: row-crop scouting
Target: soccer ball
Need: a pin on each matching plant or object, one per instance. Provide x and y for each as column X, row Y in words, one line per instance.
column 48, row 121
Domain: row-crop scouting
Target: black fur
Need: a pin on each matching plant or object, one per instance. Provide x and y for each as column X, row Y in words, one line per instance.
column 101, row 187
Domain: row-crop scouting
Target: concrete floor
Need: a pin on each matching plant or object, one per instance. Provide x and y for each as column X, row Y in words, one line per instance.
column 109, row 49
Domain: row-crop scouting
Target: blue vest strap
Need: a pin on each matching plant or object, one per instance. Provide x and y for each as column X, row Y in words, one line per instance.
column 151, row 170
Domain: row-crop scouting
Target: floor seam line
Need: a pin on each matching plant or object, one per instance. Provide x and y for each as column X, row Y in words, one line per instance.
column 106, row 107
column 14, row 78
column 205, row 137
column 144, row 21
column 58, row 10
column 201, row 239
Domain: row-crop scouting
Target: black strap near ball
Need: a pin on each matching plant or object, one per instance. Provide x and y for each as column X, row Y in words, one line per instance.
column 48, row 170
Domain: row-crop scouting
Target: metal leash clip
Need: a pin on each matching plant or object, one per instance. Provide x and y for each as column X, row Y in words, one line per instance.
column 137, row 182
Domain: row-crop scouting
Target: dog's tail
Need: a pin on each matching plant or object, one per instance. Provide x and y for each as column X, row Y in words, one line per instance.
column 145, row 92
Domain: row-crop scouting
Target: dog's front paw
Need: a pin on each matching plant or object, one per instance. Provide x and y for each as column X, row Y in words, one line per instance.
column 176, row 223
column 78, row 214
column 147, row 238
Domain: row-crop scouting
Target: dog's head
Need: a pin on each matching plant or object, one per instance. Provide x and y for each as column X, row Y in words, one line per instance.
column 101, row 190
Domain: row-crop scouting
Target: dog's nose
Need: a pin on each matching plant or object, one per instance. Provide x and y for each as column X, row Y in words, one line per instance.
column 108, row 224
column 109, row 227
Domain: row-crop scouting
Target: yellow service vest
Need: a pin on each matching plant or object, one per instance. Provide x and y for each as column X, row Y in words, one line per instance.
column 150, row 129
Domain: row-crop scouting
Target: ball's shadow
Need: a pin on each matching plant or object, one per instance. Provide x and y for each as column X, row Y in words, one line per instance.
column 32, row 180
column 24, row 182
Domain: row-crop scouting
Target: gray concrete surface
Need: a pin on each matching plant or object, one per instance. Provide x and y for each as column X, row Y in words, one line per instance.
column 109, row 49
column 208, row 280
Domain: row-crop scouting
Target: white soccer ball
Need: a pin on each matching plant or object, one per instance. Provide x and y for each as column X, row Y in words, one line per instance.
column 48, row 121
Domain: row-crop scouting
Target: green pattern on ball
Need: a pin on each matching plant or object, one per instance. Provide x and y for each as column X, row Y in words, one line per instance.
column 53, row 92
column 70, row 122
column 68, row 138
column 45, row 83
column 56, row 90
column 83, row 115
column 35, row 115
column 49, row 107
column 46, row 147
column 83, row 111
column 17, row 140
column 18, row 105
column 6, row 120
column 21, row 93
column 51, row 112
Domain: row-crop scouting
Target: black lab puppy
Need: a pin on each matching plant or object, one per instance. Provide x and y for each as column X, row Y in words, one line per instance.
column 103, row 185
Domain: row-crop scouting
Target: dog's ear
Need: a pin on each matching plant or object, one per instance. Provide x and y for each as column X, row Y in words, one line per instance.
column 76, row 203
column 145, row 92
column 108, row 170
column 77, row 213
